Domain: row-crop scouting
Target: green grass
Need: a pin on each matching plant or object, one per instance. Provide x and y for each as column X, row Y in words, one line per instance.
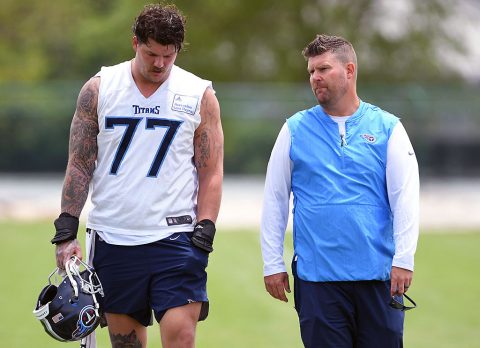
column 242, row 314
column 446, row 287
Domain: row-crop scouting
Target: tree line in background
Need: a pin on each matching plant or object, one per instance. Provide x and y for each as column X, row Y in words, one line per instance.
column 230, row 40
column 251, row 50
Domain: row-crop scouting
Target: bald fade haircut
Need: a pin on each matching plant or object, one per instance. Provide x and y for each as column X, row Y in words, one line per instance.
column 163, row 23
column 337, row 45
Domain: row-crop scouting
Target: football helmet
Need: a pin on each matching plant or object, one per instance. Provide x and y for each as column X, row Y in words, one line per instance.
column 70, row 311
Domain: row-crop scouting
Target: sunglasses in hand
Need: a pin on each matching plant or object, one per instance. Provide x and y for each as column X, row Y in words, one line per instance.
column 397, row 303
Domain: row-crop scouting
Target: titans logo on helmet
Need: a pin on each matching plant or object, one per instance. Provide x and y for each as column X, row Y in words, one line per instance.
column 86, row 319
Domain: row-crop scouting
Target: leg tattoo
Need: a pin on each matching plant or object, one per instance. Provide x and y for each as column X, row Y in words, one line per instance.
column 125, row 341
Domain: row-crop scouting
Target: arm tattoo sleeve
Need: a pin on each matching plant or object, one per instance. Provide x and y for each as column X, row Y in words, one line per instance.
column 82, row 150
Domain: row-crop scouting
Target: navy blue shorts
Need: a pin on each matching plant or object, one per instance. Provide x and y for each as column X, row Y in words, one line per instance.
column 157, row 276
column 347, row 314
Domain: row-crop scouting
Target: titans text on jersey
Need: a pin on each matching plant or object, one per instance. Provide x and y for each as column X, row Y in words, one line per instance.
column 137, row 109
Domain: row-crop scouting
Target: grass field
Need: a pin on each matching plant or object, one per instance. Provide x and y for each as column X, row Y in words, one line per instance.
column 446, row 287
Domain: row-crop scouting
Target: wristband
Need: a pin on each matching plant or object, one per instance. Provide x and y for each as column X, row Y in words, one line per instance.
column 203, row 235
column 66, row 227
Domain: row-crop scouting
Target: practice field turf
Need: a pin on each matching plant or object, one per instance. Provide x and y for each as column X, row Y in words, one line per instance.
column 446, row 288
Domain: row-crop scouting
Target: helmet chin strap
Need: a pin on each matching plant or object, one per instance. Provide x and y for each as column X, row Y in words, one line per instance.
column 71, row 268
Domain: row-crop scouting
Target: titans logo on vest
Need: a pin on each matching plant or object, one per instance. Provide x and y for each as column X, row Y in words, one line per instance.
column 369, row 138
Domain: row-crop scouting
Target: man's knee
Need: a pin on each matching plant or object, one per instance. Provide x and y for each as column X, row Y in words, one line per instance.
column 178, row 326
column 185, row 337
column 178, row 336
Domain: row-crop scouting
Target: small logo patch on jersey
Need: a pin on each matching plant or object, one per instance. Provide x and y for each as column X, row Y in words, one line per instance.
column 179, row 220
column 369, row 138
column 185, row 103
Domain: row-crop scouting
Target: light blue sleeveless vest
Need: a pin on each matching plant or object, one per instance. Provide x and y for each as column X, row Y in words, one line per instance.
column 342, row 222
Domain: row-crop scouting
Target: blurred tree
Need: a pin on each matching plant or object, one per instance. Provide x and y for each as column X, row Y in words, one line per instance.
column 230, row 40
column 36, row 39
column 262, row 40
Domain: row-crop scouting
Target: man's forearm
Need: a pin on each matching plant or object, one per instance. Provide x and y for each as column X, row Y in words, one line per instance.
column 82, row 150
column 75, row 189
column 209, row 197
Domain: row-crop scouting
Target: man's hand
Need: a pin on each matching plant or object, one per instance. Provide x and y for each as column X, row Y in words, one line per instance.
column 400, row 280
column 276, row 284
column 64, row 251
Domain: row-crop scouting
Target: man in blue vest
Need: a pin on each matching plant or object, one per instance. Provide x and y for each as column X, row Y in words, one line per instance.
column 354, row 178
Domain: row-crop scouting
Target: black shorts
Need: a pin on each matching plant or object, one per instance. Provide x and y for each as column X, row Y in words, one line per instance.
column 156, row 276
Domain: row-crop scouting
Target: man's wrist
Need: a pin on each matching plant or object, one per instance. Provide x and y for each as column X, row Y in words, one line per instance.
column 203, row 235
column 66, row 227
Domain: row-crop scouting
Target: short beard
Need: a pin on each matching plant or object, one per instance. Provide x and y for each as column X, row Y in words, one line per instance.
column 333, row 98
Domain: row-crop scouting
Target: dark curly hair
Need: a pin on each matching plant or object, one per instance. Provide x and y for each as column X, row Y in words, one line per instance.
column 163, row 23
column 325, row 43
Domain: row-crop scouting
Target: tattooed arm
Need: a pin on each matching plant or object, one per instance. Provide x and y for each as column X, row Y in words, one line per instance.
column 81, row 162
column 82, row 150
column 208, row 142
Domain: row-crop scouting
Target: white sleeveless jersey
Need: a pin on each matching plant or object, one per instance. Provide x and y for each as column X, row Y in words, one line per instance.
column 144, row 186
